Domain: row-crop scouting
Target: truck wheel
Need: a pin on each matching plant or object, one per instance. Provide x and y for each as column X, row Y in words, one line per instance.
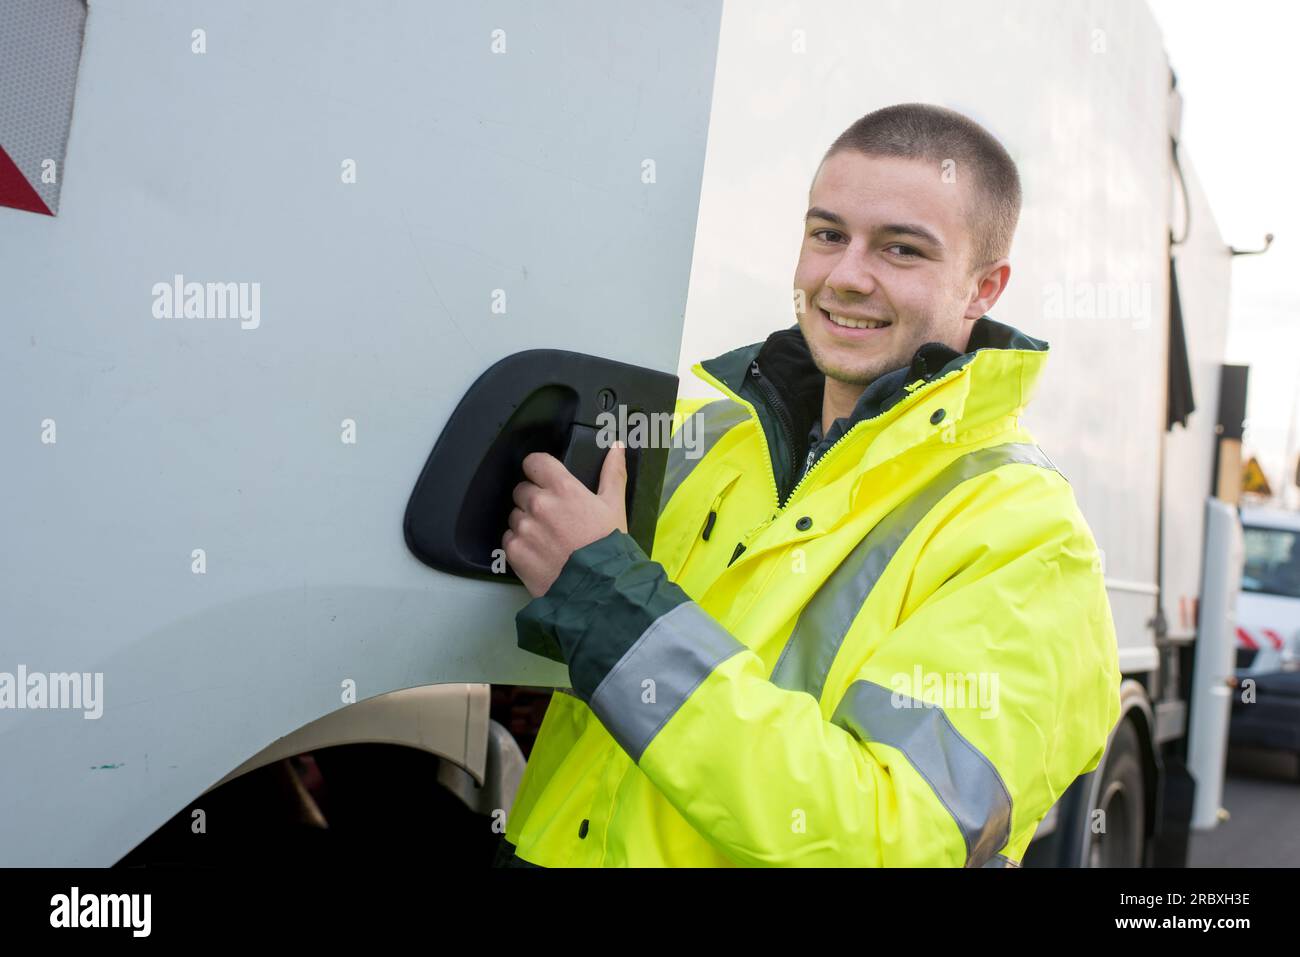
column 1120, row 837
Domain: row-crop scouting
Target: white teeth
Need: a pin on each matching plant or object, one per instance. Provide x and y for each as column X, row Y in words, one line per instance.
column 856, row 323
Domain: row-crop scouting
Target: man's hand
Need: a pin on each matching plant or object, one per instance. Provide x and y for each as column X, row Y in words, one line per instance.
column 556, row 514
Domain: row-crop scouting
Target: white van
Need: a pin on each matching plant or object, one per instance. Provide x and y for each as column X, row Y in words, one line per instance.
column 1268, row 608
column 1266, row 700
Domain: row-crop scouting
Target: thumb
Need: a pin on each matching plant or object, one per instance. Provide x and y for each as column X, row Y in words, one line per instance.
column 613, row 477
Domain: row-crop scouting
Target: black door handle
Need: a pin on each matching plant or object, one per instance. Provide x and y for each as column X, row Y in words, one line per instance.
column 542, row 400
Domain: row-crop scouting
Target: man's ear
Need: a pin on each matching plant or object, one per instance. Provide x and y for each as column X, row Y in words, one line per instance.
column 990, row 281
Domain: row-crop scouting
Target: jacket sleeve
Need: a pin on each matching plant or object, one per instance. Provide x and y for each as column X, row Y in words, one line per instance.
column 761, row 773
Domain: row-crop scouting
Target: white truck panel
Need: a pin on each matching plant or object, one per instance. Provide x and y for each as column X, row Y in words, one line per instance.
column 476, row 171
column 1204, row 265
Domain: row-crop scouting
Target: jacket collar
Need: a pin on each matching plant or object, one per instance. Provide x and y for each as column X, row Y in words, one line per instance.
column 1004, row 361
column 785, row 359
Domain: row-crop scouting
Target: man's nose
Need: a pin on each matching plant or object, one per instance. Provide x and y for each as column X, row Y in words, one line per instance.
column 852, row 275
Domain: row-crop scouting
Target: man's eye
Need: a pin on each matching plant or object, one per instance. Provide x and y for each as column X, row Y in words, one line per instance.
column 833, row 232
column 907, row 251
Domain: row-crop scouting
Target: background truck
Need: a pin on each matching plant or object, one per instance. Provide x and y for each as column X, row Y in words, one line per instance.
column 249, row 530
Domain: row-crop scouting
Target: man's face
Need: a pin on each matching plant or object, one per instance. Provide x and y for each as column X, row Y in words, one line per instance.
column 885, row 239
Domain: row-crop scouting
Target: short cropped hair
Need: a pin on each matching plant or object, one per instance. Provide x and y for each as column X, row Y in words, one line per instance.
column 935, row 134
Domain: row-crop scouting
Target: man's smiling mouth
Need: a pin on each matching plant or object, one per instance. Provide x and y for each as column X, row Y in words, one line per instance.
column 850, row 322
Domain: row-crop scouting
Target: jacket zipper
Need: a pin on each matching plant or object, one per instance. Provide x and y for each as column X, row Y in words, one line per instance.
column 782, row 414
column 742, row 545
column 840, row 441
column 787, row 427
column 776, row 494
column 783, row 418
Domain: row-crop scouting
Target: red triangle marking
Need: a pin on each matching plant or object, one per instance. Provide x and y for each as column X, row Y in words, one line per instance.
column 15, row 191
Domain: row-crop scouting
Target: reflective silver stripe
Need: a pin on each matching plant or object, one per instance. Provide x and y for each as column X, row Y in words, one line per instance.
column 997, row 860
column 715, row 420
column 824, row 622
column 677, row 652
column 963, row 779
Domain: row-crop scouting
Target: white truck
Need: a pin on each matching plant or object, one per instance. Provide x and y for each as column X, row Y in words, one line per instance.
column 251, row 485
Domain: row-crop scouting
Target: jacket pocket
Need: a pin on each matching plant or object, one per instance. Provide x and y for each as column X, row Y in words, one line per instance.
column 698, row 524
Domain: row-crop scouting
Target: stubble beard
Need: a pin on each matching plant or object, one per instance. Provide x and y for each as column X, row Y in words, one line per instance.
column 861, row 376
column 857, row 377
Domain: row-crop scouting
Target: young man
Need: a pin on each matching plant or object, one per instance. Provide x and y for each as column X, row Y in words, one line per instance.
column 874, row 631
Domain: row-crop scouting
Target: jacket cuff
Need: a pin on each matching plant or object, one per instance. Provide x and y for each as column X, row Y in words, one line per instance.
column 608, row 593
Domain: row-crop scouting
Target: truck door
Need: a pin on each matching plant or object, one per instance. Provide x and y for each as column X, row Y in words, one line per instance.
column 289, row 241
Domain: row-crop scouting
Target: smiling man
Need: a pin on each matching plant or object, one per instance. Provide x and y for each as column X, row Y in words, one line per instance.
column 869, row 545
column 899, row 253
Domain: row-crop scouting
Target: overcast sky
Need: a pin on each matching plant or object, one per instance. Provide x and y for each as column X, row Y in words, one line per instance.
column 1237, row 68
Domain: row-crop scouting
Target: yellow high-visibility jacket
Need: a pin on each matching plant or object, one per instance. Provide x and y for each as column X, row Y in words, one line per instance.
column 903, row 659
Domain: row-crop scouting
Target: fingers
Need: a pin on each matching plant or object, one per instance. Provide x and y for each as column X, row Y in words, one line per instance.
column 517, row 516
column 545, row 470
column 514, row 541
column 525, row 494
column 613, row 475
column 517, row 553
